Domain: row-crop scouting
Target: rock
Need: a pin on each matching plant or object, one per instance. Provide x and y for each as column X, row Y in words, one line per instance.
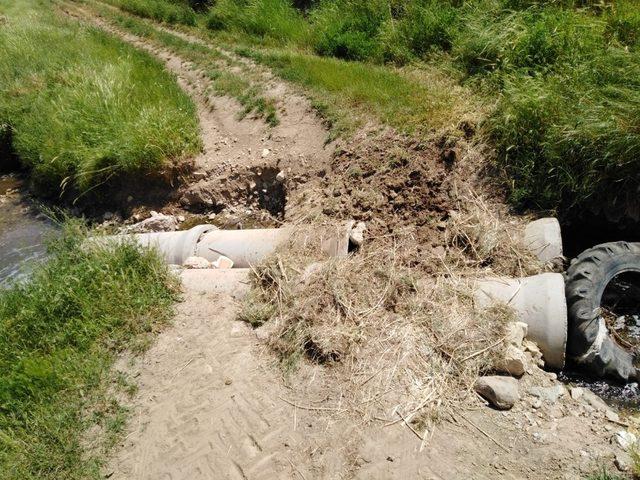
column 625, row 439
column 612, row 416
column 199, row 175
column 501, row 392
column 281, row 176
column 265, row 152
column 107, row 216
column 548, row 394
column 157, row 222
column 536, row 354
column 594, row 400
column 199, row 194
column 222, row 262
column 356, row 235
column 514, row 362
column 576, row 392
column 622, row 462
column 196, row 262
column 516, row 332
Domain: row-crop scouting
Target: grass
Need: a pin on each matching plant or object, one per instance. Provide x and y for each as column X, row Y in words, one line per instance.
column 400, row 99
column 59, row 335
column 162, row 11
column 223, row 82
column 89, row 107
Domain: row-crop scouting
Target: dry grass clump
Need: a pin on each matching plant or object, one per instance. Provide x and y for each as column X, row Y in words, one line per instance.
column 400, row 348
column 481, row 239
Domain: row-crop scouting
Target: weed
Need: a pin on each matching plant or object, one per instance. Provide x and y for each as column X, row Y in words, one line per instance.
column 60, row 331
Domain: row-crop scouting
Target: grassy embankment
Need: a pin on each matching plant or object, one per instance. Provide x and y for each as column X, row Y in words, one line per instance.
column 88, row 107
column 209, row 60
column 563, row 78
column 59, row 335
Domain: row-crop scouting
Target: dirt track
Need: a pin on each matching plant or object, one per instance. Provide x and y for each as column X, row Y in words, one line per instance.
column 212, row 405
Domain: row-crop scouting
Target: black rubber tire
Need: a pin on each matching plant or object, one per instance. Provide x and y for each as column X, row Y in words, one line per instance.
column 586, row 280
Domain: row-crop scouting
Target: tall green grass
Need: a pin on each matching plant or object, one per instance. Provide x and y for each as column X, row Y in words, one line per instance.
column 86, row 107
column 163, row 11
column 59, row 335
column 275, row 19
column 224, row 82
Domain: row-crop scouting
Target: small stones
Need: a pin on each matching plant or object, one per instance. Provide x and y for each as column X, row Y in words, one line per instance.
column 548, row 394
column 281, row 176
column 516, row 332
column 157, row 222
column 265, row 152
column 514, row 362
column 196, row 263
column 501, row 392
column 622, row 462
column 356, row 235
column 625, row 439
column 576, row 393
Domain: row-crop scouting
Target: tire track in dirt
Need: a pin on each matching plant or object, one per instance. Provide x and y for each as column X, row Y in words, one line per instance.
column 208, row 404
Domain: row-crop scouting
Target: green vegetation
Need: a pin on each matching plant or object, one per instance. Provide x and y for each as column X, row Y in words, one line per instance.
column 223, row 82
column 88, row 107
column 562, row 76
column 59, row 335
column 162, row 11
column 567, row 123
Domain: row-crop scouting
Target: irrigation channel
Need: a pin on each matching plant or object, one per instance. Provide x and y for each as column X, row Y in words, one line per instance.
column 23, row 230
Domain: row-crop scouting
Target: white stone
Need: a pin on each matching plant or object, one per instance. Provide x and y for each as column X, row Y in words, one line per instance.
column 281, row 176
column 356, row 235
column 576, row 393
column 265, row 152
column 157, row 222
column 222, row 262
column 549, row 394
column 625, row 439
column 196, row 262
column 514, row 362
column 516, row 333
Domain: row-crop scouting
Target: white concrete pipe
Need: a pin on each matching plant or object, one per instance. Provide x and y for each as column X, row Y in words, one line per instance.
column 539, row 301
column 544, row 239
column 244, row 247
column 175, row 247
column 250, row 247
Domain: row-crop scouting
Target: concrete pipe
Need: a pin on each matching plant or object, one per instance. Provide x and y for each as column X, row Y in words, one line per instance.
column 175, row 247
column 539, row 301
column 544, row 239
column 250, row 247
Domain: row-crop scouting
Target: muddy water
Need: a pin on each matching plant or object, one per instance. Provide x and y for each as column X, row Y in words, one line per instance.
column 22, row 231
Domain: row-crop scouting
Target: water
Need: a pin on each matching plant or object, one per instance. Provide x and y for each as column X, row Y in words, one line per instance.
column 22, row 231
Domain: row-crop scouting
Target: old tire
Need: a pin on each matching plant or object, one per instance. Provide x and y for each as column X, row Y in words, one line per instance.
column 589, row 274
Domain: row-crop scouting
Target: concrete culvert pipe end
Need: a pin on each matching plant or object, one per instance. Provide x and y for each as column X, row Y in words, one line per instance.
column 539, row 301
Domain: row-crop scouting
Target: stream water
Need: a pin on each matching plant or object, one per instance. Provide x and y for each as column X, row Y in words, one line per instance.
column 22, row 231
